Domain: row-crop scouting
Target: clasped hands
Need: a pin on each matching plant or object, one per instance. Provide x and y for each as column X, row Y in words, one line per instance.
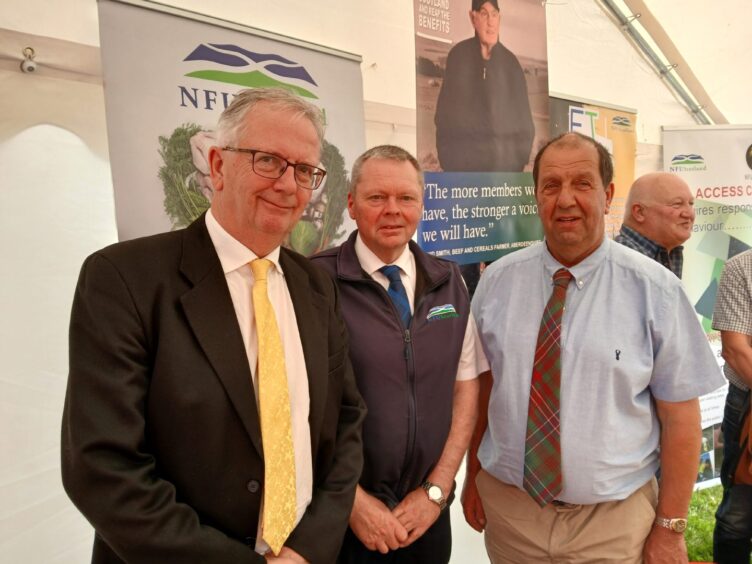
column 380, row 529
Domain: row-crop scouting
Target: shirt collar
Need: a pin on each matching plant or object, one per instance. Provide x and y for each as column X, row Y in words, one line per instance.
column 582, row 271
column 648, row 244
column 371, row 263
column 232, row 253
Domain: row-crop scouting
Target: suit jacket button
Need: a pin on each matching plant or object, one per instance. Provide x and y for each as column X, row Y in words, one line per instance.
column 253, row 486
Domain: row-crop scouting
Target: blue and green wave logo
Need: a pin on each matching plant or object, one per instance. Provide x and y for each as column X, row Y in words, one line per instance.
column 441, row 312
column 251, row 70
column 688, row 162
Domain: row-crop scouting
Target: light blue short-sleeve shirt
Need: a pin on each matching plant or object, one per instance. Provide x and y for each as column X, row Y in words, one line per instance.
column 628, row 333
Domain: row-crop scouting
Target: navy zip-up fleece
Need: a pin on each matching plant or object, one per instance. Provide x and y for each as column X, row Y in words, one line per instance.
column 407, row 376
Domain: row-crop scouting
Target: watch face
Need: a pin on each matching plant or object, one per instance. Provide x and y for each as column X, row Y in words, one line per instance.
column 434, row 492
column 678, row 525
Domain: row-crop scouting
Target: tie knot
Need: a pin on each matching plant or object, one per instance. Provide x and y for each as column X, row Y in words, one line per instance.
column 392, row 272
column 562, row 277
column 260, row 267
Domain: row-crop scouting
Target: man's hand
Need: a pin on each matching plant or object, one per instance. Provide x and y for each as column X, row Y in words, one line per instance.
column 374, row 525
column 664, row 547
column 471, row 504
column 416, row 513
column 286, row 556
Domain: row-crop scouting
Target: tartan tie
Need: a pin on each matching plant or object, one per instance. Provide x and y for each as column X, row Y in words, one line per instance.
column 397, row 292
column 542, row 476
column 276, row 427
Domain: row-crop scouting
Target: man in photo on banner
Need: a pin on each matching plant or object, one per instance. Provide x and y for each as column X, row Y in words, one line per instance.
column 658, row 219
column 483, row 118
column 211, row 413
column 414, row 354
column 732, row 316
column 597, row 362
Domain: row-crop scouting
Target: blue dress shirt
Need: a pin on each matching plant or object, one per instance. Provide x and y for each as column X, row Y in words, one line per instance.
column 629, row 333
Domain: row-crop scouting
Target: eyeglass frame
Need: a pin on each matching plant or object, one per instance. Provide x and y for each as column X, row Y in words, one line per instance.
column 288, row 164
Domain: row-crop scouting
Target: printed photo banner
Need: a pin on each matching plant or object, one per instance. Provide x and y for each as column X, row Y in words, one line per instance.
column 716, row 163
column 168, row 76
column 480, row 122
column 470, row 217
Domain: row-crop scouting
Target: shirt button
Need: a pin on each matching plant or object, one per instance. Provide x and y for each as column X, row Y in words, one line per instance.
column 253, row 486
column 580, row 283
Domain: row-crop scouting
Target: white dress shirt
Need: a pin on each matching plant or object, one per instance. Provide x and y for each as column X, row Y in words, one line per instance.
column 235, row 258
column 473, row 359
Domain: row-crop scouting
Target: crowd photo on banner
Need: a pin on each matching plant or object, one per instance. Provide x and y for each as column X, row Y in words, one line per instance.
column 509, row 342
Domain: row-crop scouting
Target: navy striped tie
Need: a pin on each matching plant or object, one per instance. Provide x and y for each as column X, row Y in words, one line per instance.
column 397, row 292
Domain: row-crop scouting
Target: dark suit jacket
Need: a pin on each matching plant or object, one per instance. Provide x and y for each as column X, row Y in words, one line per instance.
column 161, row 444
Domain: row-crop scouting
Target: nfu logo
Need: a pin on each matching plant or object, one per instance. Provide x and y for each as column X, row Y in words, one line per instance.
column 232, row 64
column 687, row 163
column 621, row 121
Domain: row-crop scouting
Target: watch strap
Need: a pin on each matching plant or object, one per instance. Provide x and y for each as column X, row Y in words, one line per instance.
column 677, row 525
column 441, row 500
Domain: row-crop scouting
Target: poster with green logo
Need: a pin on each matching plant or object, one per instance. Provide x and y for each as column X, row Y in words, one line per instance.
column 163, row 100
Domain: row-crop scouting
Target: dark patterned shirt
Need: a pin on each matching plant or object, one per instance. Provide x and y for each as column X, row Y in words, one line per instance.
column 673, row 260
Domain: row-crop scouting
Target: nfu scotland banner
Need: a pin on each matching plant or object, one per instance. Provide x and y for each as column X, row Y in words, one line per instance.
column 716, row 163
column 482, row 114
column 168, row 75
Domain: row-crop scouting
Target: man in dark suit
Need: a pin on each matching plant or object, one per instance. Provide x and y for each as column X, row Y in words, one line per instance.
column 162, row 448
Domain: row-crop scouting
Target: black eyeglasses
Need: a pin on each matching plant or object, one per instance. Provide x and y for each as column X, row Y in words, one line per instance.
column 273, row 166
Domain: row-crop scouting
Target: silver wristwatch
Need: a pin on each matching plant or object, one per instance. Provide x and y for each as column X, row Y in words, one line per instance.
column 677, row 525
column 435, row 494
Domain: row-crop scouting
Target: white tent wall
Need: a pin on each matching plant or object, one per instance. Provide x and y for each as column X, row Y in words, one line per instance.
column 713, row 39
column 58, row 199
column 56, row 185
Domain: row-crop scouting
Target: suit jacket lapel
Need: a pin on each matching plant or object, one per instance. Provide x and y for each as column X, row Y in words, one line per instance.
column 311, row 313
column 211, row 316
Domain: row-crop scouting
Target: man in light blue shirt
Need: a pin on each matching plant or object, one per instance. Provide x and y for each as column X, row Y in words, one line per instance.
column 633, row 362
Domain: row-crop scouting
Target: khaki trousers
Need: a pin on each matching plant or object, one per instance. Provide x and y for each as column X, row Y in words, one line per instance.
column 518, row 531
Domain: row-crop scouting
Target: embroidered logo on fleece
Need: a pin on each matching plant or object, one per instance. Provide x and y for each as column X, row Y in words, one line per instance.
column 445, row 311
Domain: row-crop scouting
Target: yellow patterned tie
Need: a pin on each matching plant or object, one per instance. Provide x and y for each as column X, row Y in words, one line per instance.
column 274, row 408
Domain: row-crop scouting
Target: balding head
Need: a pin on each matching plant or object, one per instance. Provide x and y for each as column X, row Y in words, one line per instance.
column 660, row 206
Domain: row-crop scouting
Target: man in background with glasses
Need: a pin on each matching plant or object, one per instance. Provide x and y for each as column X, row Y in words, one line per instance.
column 211, row 412
column 658, row 218
column 483, row 118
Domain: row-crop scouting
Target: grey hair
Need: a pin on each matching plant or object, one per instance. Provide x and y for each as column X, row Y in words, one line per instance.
column 232, row 121
column 386, row 152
